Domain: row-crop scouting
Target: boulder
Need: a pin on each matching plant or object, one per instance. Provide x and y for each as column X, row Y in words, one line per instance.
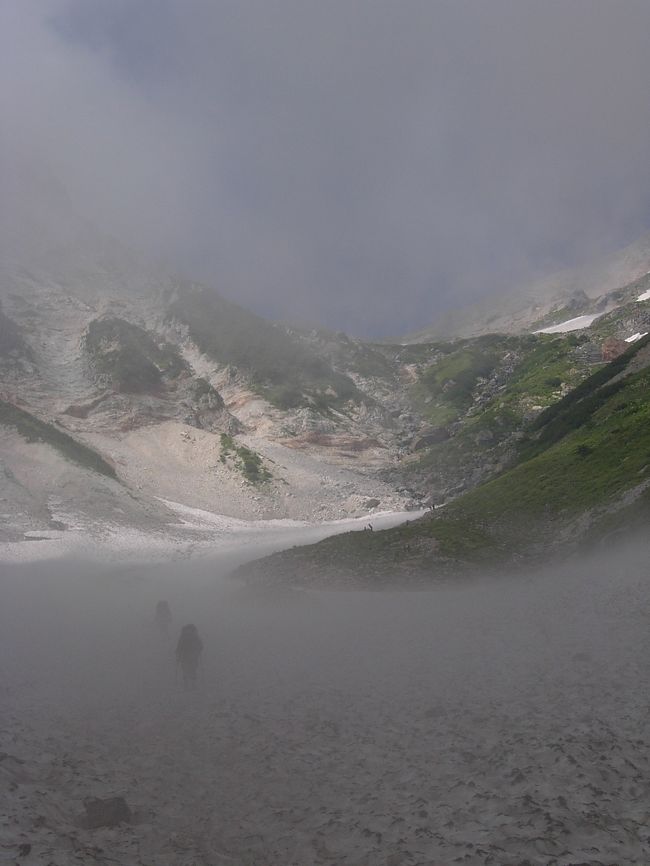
column 106, row 813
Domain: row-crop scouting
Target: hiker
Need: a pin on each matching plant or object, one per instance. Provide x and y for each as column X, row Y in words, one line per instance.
column 188, row 653
column 163, row 617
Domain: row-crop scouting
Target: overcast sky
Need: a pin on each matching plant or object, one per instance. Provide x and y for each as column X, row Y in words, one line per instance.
column 358, row 163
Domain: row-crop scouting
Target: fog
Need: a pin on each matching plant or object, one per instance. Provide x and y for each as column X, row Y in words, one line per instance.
column 358, row 165
column 485, row 721
column 362, row 166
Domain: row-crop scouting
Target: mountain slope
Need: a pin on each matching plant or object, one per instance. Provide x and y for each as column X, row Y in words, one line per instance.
column 427, row 420
column 190, row 397
column 583, row 470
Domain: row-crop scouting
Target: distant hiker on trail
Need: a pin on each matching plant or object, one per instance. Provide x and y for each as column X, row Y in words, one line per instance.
column 163, row 617
column 188, row 653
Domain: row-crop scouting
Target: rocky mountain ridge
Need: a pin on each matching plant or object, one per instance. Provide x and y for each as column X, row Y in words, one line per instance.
column 190, row 398
column 591, row 288
column 99, row 355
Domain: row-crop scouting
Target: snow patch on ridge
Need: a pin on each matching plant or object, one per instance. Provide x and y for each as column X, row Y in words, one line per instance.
column 575, row 324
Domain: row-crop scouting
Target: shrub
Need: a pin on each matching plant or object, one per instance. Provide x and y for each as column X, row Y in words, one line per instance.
column 247, row 461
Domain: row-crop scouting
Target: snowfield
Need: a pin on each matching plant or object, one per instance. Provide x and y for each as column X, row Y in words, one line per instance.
column 645, row 296
column 198, row 532
column 493, row 723
column 570, row 325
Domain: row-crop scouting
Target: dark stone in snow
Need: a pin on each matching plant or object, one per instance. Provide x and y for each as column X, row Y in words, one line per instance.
column 106, row 813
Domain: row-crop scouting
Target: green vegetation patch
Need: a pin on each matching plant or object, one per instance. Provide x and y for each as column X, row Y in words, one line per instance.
column 592, row 449
column 445, row 389
column 423, row 549
column 247, row 461
column 577, row 408
column 34, row 430
column 528, row 372
column 134, row 359
column 281, row 368
column 605, row 454
column 533, row 367
column 547, row 362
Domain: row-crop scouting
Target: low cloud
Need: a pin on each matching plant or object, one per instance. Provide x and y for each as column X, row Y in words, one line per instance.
column 360, row 165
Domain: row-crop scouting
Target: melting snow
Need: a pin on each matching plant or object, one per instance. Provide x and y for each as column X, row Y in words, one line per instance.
column 636, row 337
column 197, row 533
column 570, row 325
column 645, row 296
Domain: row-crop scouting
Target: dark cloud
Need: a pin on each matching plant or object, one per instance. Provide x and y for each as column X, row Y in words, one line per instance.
column 363, row 165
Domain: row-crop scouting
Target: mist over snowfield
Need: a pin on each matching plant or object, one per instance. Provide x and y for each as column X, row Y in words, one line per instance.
column 196, row 198
column 496, row 722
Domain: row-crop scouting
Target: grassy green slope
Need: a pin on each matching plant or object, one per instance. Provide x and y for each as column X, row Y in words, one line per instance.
column 35, row 430
column 564, row 485
column 444, row 389
column 582, row 452
column 504, row 381
column 530, row 368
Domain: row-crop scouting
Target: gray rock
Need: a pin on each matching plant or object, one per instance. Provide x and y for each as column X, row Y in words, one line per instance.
column 106, row 813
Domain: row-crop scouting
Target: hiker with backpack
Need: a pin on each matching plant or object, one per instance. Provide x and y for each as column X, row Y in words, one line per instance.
column 188, row 654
